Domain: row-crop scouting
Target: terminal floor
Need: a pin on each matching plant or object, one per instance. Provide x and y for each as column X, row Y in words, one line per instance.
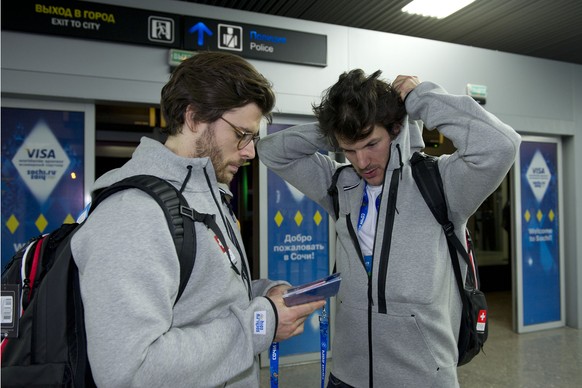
column 544, row 359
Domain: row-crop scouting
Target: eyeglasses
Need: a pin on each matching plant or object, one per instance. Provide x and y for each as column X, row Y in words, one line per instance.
column 244, row 136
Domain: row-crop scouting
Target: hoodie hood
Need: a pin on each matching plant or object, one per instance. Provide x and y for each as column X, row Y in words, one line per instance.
column 153, row 158
column 408, row 141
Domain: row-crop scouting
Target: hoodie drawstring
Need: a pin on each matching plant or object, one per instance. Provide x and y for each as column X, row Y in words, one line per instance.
column 245, row 271
column 186, row 179
column 400, row 159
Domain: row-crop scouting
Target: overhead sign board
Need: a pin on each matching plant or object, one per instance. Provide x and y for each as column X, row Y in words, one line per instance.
column 82, row 19
column 257, row 42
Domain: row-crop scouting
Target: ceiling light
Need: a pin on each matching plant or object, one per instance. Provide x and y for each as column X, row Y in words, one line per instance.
column 436, row 8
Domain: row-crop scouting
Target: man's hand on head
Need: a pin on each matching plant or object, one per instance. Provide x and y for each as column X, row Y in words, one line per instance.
column 404, row 84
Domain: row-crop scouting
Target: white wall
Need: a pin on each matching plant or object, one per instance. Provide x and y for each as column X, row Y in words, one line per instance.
column 535, row 96
column 573, row 211
column 526, row 92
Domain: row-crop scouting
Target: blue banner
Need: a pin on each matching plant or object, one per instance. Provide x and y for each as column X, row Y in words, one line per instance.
column 298, row 248
column 42, row 173
column 540, row 232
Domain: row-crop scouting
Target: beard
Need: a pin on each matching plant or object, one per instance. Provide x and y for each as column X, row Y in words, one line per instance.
column 206, row 147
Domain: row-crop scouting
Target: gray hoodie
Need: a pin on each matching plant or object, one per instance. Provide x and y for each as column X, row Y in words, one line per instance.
column 401, row 323
column 129, row 275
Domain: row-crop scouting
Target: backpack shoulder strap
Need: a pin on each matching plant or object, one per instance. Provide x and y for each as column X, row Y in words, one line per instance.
column 428, row 179
column 332, row 189
column 173, row 203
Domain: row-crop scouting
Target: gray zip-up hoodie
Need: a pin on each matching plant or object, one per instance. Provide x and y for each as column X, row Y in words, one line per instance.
column 400, row 325
column 129, row 275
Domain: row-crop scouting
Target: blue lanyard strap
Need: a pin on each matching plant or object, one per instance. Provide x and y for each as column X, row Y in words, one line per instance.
column 364, row 207
column 362, row 218
column 274, row 365
column 323, row 324
column 274, row 353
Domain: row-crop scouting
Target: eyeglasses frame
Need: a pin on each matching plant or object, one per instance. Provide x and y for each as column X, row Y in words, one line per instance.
column 242, row 133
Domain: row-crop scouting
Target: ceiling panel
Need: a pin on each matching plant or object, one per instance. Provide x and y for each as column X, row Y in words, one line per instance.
column 539, row 28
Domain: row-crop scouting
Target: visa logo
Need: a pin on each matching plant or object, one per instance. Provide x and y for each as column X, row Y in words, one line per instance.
column 41, row 153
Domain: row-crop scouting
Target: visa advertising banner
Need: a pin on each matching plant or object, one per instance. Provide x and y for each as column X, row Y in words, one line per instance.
column 298, row 249
column 540, row 267
column 42, row 173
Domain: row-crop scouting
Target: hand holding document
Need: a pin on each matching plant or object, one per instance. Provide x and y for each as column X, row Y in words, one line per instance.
column 312, row 291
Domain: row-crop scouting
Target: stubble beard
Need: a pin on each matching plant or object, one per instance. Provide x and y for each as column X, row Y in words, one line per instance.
column 206, row 147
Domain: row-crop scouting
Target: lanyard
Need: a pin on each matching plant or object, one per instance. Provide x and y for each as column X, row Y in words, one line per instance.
column 274, row 353
column 362, row 219
column 364, row 207
column 232, row 235
column 323, row 324
column 274, row 365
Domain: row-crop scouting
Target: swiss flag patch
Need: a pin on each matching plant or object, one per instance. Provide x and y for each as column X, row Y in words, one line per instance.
column 481, row 320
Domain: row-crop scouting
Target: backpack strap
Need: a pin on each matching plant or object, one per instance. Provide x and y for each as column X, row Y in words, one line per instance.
column 332, row 190
column 173, row 203
column 428, row 179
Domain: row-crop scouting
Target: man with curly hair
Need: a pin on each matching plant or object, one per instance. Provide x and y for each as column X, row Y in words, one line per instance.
column 398, row 307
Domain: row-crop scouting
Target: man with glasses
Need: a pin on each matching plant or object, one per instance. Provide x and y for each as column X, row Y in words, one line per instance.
column 244, row 136
column 129, row 270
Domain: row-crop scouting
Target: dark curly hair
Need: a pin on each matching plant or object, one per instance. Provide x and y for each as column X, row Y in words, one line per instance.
column 352, row 106
column 213, row 83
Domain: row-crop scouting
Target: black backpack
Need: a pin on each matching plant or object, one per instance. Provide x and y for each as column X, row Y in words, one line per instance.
column 473, row 330
column 46, row 342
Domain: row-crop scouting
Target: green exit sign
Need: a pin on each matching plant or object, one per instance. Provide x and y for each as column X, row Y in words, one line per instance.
column 177, row 56
column 478, row 92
